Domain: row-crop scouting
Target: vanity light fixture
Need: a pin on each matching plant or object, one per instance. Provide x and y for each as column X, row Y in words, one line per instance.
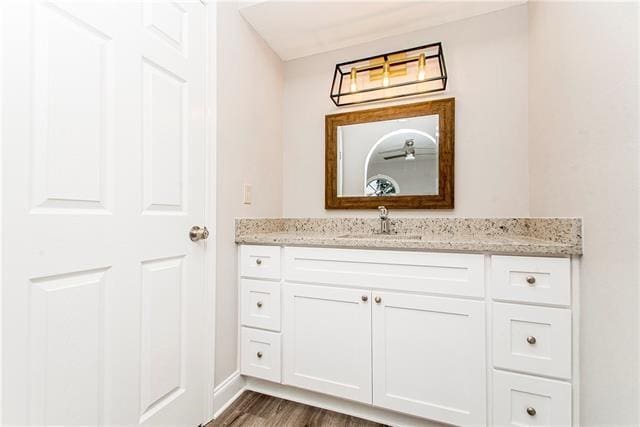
column 408, row 72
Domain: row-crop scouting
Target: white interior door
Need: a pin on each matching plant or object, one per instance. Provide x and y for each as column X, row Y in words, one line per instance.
column 103, row 175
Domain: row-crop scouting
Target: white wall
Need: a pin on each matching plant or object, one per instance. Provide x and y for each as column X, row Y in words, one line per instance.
column 583, row 134
column 250, row 80
column 487, row 62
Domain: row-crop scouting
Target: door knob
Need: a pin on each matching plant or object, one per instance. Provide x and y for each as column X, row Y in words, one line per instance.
column 198, row 233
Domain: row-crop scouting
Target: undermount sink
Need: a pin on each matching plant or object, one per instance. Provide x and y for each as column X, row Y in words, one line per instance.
column 381, row 236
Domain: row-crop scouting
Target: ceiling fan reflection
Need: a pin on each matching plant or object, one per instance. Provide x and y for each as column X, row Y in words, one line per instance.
column 408, row 151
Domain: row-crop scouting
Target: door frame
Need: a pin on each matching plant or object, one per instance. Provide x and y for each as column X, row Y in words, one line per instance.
column 208, row 346
column 210, row 207
column 2, row 41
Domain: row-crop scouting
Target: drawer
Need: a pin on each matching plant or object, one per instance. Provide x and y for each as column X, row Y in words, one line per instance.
column 521, row 400
column 260, row 354
column 262, row 262
column 440, row 273
column 534, row 340
column 260, row 304
column 531, row 279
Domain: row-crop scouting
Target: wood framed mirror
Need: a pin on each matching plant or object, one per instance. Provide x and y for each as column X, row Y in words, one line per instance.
column 401, row 157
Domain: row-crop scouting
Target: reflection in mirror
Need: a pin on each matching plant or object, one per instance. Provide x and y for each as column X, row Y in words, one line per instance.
column 388, row 158
column 399, row 156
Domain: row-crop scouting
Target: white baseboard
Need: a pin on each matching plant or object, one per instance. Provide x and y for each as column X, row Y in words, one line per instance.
column 227, row 392
column 360, row 410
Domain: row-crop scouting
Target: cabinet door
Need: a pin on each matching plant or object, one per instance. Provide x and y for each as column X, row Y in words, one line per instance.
column 327, row 340
column 429, row 357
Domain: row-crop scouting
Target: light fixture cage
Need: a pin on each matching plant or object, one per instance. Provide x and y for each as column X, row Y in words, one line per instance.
column 409, row 72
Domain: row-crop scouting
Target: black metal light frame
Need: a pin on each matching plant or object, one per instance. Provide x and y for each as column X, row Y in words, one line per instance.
column 344, row 68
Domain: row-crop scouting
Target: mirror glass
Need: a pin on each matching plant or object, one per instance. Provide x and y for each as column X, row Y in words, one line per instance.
column 389, row 157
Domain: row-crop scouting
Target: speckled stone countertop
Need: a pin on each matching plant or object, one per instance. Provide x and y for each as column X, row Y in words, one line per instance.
column 523, row 236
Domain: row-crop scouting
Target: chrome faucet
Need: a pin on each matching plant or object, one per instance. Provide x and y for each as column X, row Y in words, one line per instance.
column 384, row 220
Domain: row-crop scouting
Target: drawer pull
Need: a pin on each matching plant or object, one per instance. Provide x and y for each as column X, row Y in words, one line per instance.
column 259, row 304
column 531, row 340
column 378, row 300
column 531, row 280
column 531, row 411
column 365, row 298
column 259, row 261
column 259, row 354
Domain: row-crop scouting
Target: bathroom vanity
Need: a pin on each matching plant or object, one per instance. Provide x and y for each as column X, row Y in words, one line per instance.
column 458, row 321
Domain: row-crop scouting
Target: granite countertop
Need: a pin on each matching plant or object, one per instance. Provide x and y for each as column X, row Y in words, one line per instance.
column 524, row 236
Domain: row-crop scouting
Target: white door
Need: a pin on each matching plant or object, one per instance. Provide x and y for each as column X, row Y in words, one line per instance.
column 327, row 340
column 429, row 357
column 103, row 175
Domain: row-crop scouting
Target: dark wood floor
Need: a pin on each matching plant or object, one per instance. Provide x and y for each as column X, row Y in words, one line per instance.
column 258, row 410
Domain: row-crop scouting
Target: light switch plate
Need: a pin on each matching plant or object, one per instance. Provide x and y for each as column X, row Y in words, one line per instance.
column 246, row 194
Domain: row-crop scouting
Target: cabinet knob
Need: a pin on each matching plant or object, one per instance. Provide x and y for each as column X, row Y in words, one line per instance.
column 531, row 411
column 258, row 261
column 531, row 339
column 259, row 304
column 365, row 298
column 259, row 354
column 378, row 300
column 531, row 280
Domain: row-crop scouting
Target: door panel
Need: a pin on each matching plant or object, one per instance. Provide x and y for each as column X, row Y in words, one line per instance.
column 66, row 315
column 164, row 139
column 327, row 340
column 429, row 357
column 103, row 175
column 168, row 20
column 162, row 335
column 72, row 114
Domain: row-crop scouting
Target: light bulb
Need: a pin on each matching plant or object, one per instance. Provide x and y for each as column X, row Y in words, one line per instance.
column 421, row 67
column 385, row 74
column 354, row 80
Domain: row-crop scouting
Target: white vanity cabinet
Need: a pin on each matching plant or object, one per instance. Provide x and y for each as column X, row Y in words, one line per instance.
column 462, row 339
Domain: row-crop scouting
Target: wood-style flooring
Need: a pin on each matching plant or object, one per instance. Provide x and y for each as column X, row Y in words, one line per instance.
column 253, row 409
